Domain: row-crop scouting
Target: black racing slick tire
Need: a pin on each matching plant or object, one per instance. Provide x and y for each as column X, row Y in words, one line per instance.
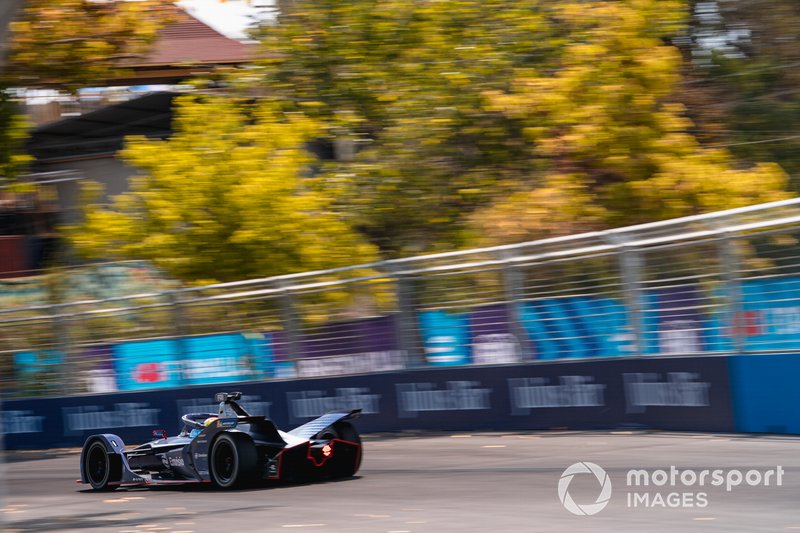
column 344, row 431
column 100, row 467
column 233, row 460
column 350, row 434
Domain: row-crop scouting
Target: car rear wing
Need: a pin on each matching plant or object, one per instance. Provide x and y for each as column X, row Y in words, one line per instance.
column 309, row 429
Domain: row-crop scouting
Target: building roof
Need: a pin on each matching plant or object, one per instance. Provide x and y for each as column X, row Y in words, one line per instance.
column 184, row 48
column 188, row 40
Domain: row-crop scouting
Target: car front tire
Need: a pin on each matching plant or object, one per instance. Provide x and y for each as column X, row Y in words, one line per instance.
column 100, row 467
column 233, row 460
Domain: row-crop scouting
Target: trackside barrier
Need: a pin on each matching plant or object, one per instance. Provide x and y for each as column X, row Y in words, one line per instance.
column 674, row 393
column 766, row 394
column 767, row 318
column 720, row 283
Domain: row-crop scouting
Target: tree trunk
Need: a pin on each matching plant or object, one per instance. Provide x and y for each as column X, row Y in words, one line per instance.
column 8, row 10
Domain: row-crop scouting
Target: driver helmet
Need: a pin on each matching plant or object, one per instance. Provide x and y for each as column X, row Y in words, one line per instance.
column 210, row 420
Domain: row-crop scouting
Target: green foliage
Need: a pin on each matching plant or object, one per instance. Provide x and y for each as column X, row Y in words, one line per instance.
column 620, row 153
column 68, row 44
column 73, row 43
column 13, row 132
column 475, row 122
column 406, row 81
column 743, row 77
column 490, row 121
column 224, row 203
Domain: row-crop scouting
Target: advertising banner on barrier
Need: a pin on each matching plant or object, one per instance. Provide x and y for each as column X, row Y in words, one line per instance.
column 445, row 337
column 577, row 327
column 680, row 328
column 676, row 393
column 481, row 336
column 492, row 340
column 362, row 345
column 768, row 320
column 198, row 360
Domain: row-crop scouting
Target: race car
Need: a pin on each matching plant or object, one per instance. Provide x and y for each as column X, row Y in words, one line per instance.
column 229, row 449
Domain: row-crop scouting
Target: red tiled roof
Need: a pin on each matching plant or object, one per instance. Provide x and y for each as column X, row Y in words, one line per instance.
column 188, row 40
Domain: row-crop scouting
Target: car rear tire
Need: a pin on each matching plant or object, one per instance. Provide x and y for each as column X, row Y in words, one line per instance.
column 233, row 460
column 344, row 431
column 100, row 467
column 350, row 434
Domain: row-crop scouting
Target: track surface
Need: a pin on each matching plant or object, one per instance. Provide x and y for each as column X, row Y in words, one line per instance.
column 479, row 482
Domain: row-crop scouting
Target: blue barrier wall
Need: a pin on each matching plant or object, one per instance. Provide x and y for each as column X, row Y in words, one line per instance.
column 765, row 393
column 677, row 393
column 749, row 393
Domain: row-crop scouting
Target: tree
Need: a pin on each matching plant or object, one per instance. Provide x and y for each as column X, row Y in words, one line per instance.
column 404, row 82
column 8, row 10
column 618, row 151
column 224, row 201
column 13, row 133
column 73, row 43
column 68, row 44
column 540, row 117
column 741, row 79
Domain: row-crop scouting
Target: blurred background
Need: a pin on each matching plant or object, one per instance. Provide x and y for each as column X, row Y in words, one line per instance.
column 209, row 191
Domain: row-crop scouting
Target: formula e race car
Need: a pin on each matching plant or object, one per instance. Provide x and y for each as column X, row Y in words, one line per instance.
column 227, row 450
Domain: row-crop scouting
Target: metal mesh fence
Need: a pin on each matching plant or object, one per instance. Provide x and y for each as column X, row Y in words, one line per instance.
column 725, row 282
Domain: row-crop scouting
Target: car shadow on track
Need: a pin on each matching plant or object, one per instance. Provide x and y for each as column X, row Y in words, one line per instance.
column 208, row 487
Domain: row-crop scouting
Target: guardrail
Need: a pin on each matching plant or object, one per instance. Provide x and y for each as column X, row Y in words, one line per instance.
column 670, row 393
column 720, row 283
column 728, row 393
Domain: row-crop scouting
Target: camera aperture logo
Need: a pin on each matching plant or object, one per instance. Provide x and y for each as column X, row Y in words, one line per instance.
column 671, row 487
column 589, row 508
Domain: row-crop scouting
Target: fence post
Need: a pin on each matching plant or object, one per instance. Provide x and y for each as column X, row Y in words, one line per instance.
column 179, row 330
column 630, row 265
column 513, row 278
column 406, row 325
column 291, row 323
column 63, row 343
column 729, row 257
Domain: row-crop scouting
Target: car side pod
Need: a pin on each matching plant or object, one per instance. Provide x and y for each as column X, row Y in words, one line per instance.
column 104, row 465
